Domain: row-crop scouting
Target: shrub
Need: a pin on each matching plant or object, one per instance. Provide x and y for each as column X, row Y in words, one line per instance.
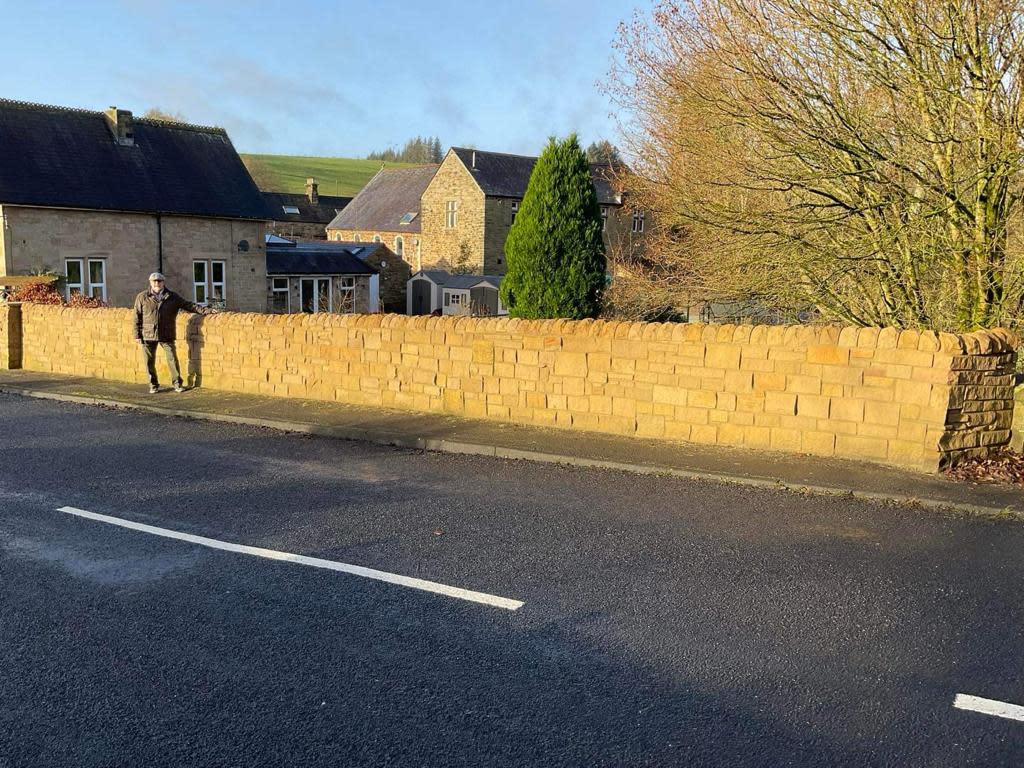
column 38, row 293
column 86, row 302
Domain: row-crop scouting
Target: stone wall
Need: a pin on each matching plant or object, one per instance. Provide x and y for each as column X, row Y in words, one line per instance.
column 10, row 336
column 42, row 238
column 900, row 398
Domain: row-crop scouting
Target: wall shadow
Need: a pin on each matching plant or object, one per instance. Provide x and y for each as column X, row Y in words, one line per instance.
column 195, row 342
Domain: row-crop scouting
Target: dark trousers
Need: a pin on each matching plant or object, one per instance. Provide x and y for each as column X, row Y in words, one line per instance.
column 149, row 353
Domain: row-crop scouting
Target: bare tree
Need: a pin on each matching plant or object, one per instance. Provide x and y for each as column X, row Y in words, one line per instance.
column 860, row 158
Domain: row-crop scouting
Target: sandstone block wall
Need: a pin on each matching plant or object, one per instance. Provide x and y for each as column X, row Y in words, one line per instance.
column 904, row 398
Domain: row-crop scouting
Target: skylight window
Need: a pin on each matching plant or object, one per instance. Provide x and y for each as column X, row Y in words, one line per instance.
column 291, row 209
column 407, row 219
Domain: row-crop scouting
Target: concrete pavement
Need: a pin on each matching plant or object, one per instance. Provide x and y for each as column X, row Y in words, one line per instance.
column 804, row 474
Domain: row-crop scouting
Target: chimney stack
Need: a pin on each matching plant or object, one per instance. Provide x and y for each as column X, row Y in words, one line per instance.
column 120, row 123
column 311, row 190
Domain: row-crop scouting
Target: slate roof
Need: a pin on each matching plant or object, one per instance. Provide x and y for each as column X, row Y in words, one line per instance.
column 321, row 212
column 386, row 198
column 460, row 282
column 320, row 258
column 68, row 158
column 502, row 175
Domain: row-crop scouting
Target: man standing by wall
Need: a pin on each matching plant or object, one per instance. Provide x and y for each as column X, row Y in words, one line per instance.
column 156, row 311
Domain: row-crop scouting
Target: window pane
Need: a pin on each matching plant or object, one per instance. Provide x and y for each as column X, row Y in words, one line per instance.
column 199, row 271
column 307, row 295
column 96, row 272
column 200, row 294
column 280, row 283
column 73, row 270
column 96, row 292
column 217, row 268
column 323, row 296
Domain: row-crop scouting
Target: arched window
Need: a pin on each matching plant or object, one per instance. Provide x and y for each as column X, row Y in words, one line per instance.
column 356, row 239
column 376, row 238
column 337, row 236
column 400, row 247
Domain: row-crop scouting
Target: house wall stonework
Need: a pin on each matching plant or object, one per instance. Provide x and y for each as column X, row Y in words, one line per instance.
column 461, row 247
column 394, row 271
column 42, row 238
column 905, row 398
column 298, row 230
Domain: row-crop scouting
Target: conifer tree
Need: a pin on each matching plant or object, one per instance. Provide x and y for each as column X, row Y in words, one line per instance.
column 556, row 259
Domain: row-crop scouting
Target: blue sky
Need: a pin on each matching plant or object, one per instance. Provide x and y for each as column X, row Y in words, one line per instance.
column 327, row 78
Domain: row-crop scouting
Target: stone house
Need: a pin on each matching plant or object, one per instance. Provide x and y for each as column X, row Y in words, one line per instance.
column 104, row 198
column 321, row 277
column 387, row 211
column 470, row 203
column 303, row 217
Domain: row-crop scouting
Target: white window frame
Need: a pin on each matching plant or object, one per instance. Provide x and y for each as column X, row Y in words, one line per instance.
column 102, row 284
column 346, row 285
column 68, row 285
column 515, row 211
column 451, row 214
column 400, row 247
column 222, row 283
column 638, row 221
column 200, row 284
column 286, row 291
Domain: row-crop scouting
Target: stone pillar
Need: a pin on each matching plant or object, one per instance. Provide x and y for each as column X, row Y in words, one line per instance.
column 10, row 336
column 1017, row 442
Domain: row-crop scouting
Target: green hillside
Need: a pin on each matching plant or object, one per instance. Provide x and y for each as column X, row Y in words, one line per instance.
column 334, row 175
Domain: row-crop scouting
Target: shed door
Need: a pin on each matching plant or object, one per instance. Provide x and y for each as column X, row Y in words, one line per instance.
column 484, row 301
column 421, row 290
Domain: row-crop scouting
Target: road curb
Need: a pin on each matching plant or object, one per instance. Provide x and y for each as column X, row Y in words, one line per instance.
column 442, row 445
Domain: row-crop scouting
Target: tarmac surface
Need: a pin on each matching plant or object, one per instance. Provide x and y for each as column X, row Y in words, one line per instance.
column 664, row 620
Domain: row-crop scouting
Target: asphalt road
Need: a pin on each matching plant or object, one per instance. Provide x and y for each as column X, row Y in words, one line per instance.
column 664, row 622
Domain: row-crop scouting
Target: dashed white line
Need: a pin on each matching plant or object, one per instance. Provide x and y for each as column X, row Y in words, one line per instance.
column 315, row 562
column 989, row 707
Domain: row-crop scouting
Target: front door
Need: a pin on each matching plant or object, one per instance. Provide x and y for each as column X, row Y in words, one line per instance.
column 421, row 290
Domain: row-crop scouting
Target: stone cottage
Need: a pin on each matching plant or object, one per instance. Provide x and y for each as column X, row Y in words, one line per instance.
column 303, row 217
column 387, row 210
column 104, row 198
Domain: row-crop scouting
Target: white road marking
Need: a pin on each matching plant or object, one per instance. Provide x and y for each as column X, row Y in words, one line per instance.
column 315, row 562
column 989, row 707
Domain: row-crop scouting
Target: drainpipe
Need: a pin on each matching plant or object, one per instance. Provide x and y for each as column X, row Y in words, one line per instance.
column 159, row 244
